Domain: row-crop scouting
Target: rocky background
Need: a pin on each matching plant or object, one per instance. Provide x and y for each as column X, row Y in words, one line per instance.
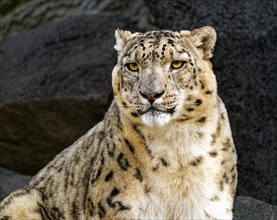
column 56, row 59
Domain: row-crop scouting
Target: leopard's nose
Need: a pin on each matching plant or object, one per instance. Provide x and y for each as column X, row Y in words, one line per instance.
column 151, row 97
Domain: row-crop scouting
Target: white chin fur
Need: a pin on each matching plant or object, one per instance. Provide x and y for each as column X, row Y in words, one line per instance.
column 152, row 118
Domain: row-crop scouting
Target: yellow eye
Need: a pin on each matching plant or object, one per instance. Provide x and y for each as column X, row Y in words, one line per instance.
column 177, row 64
column 132, row 67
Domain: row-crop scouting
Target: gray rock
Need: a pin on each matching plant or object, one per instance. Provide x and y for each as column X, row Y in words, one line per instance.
column 247, row 208
column 10, row 181
column 69, row 59
column 55, row 84
column 245, row 65
column 17, row 16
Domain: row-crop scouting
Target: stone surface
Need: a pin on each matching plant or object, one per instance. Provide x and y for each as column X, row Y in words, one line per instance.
column 20, row 15
column 247, row 208
column 10, row 181
column 245, row 65
column 55, row 84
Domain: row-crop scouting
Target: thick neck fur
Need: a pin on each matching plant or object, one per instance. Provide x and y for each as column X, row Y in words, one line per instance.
column 178, row 143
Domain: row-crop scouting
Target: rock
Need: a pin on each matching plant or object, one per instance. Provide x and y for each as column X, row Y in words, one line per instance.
column 247, row 208
column 10, row 181
column 245, row 65
column 55, row 85
column 17, row 16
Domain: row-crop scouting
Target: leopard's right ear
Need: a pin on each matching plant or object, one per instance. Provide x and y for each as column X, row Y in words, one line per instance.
column 121, row 38
column 204, row 39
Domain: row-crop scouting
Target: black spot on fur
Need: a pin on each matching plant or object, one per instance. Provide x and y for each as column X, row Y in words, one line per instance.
column 109, row 176
column 197, row 161
column 202, row 85
column 164, row 162
column 93, row 180
column 198, row 102
column 113, row 193
column 209, row 92
column 226, row 145
column 56, row 213
column 134, row 114
column 130, row 146
column 225, row 178
column 123, row 162
column 124, row 104
column 221, row 185
column 91, row 207
column 213, row 154
column 201, row 120
column 75, row 211
column 214, row 136
column 102, row 210
column 111, row 151
column 233, row 177
column 122, row 207
column 138, row 175
column 190, row 109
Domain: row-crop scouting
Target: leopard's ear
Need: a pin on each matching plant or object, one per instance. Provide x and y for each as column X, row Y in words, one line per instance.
column 121, row 38
column 204, row 39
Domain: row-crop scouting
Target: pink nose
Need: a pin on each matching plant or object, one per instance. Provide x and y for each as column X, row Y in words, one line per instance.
column 151, row 97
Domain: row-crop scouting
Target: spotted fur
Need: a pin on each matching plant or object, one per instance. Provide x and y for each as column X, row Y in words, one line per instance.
column 163, row 151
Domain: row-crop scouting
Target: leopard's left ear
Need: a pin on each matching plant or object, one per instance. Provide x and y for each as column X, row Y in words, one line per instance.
column 204, row 38
column 121, row 37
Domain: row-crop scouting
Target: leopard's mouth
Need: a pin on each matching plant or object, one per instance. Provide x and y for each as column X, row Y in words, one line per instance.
column 154, row 110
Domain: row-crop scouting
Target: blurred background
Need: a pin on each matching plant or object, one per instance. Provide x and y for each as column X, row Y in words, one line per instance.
column 56, row 58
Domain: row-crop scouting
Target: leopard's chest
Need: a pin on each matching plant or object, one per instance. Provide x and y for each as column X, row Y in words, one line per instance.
column 177, row 184
column 174, row 194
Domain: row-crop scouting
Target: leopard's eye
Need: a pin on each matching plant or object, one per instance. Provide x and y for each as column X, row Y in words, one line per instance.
column 177, row 64
column 133, row 67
